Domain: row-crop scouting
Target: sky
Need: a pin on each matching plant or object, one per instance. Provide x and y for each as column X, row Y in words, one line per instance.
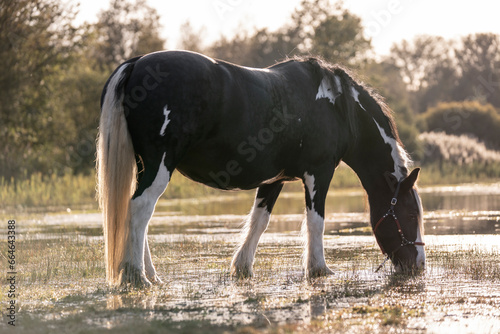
column 385, row 21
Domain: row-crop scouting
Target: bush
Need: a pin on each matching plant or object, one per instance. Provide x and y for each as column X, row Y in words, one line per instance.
column 460, row 150
column 465, row 118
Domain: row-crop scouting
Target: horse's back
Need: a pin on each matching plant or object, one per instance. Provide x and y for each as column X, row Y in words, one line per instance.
column 228, row 126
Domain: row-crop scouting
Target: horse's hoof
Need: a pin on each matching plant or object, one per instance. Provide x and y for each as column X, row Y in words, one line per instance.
column 156, row 280
column 318, row 272
column 241, row 272
column 130, row 275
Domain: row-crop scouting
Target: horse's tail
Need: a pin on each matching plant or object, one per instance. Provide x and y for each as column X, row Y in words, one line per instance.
column 116, row 170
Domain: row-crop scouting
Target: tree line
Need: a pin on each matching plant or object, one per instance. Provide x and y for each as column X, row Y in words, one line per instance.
column 54, row 72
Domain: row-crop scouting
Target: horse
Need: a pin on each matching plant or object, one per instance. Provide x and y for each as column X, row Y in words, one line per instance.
column 233, row 127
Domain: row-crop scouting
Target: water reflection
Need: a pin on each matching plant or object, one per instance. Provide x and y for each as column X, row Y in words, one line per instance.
column 465, row 209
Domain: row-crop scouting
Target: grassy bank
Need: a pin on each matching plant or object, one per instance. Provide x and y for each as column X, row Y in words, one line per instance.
column 78, row 191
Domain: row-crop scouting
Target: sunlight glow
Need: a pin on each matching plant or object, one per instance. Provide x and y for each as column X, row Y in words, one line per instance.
column 385, row 21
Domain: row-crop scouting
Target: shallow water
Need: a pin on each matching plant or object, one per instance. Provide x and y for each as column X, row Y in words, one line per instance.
column 61, row 277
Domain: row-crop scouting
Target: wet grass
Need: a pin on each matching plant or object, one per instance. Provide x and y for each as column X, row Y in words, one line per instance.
column 61, row 287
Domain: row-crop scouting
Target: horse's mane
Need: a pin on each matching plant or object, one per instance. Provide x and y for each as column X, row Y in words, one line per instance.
column 379, row 109
column 348, row 81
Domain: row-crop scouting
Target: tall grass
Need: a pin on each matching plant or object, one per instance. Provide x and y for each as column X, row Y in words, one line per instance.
column 79, row 190
column 46, row 191
column 459, row 150
column 457, row 159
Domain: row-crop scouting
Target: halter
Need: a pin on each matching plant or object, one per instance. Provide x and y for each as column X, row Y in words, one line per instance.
column 404, row 241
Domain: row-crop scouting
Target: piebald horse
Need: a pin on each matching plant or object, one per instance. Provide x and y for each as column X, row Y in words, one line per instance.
column 233, row 127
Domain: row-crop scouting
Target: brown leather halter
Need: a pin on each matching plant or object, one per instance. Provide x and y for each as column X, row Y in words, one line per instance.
column 404, row 241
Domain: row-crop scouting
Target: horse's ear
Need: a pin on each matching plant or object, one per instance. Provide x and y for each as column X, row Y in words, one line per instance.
column 410, row 180
column 391, row 181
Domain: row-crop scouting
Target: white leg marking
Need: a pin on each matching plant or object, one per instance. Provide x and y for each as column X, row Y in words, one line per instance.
column 166, row 112
column 420, row 249
column 309, row 181
column 141, row 210
column 314, row 227
column 325, row 90
column 148, row 263
column 255, row 225
column 399, row 155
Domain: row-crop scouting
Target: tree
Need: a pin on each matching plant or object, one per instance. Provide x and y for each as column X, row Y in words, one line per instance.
column 37, row 38
column 427, row 67
column 260, row 49
column 316, row 28
column 190, row 39
column 437, row 70
column 478, row 59
column 329, row 31
column 125, row 30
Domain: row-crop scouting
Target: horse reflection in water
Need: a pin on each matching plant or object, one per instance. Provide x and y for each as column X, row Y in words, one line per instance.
column 233, row 127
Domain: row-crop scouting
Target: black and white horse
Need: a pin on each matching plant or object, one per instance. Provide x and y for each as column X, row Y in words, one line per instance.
column 233, row 127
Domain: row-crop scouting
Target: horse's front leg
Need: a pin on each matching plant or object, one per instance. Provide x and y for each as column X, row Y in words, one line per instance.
column 314, row 226
column 256, row 224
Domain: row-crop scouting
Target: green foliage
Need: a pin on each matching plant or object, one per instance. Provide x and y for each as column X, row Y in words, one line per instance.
column 37, row 38
column 330, row 31
column 469, row 117
column 52, row 79
column 438, row 70
column 127, row 29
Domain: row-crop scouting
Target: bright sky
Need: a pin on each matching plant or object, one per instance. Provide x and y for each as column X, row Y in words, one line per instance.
column 385, row 21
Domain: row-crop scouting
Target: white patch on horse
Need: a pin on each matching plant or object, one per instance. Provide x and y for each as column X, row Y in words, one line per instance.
column 325, row 90
column 166, row 112
column 313, row 228
column 338, row 83
column 141, row 210
column 399, row 155
column 355, row 96
column 420, row 249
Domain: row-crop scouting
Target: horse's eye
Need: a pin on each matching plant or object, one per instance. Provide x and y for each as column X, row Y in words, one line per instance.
column 413, row 217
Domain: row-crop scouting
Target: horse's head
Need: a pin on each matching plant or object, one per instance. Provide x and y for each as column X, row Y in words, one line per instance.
column 396, row 217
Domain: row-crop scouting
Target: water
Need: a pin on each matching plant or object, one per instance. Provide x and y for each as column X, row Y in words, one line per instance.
column 464, row 209
column 62, row 285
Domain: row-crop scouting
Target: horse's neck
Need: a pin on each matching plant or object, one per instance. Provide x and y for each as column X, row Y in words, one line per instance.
column 372, row 156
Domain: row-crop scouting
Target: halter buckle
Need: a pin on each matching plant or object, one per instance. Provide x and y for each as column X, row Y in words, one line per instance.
column 394, row 201
column 405, row 241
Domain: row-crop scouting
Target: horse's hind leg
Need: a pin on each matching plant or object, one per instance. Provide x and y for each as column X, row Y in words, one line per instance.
column 137, row 267
column 148, row 264
column 255, row 225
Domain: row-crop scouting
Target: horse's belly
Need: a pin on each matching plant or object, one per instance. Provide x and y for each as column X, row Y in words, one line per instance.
column 229, row 173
